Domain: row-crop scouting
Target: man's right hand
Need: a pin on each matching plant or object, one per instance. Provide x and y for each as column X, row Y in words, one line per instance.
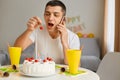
column 33, row 23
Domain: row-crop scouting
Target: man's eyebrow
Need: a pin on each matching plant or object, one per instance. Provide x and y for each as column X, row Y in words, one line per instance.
column 56, row 12
column 53, row 12
column 47, row 11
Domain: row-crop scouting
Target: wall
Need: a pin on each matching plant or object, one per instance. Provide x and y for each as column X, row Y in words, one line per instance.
column 14, row 15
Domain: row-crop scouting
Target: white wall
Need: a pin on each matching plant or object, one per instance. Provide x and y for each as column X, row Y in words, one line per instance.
column 15, row 13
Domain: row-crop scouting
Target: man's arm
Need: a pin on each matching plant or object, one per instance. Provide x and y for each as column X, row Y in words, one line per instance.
column 65, row 50
column 23, row 41
column 64, row 38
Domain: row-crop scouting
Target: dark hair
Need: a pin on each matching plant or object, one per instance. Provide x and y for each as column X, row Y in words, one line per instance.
column 57, row 3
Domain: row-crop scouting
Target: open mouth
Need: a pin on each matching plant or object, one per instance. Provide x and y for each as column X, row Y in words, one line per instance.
column 50, row 24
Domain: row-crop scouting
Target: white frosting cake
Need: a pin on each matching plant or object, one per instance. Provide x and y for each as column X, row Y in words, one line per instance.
column 33, row 66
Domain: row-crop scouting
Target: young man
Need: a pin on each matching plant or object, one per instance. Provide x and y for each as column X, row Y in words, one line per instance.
column 55, row 38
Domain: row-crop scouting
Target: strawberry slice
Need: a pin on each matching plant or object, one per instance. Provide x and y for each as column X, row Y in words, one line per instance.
column 44, row 60
column 32, row 58
column 36, row 61
column 41, row 28
column 26, row 58
column 50, row 59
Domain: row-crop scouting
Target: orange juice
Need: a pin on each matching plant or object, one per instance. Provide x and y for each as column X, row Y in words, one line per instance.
column 73, row 58
column 15, row 53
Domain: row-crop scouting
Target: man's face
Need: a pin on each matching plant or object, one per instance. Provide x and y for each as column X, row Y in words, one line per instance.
column 53, row 16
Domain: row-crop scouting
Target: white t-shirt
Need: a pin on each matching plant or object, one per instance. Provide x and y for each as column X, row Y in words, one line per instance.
column 48, row 47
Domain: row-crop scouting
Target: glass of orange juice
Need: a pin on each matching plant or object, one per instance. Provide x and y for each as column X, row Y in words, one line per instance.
column 73, row 58
column 15, row 54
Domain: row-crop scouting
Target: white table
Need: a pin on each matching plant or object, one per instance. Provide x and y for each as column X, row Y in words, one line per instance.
column 89, row 75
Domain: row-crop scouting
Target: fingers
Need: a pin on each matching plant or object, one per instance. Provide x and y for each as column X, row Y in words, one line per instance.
column 62, row 23
column 62, row 20
column 34, row 22
column 38, row 20
column 61, row 28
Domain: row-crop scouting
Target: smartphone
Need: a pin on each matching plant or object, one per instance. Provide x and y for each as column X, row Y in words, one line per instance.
column 62, row 20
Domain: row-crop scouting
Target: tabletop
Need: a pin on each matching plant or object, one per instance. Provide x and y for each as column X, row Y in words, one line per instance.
column 88, row 75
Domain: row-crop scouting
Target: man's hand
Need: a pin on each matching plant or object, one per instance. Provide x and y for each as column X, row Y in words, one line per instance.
column 33, row 23
column 63, row 33
column 64, row 37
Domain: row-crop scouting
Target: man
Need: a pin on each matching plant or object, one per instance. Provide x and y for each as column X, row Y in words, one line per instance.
column 55, row 38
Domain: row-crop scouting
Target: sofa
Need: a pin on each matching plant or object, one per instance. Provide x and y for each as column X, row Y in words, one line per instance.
column 90, row 54
column 90, row 58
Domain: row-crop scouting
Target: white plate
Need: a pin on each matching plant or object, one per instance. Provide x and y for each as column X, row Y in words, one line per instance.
column 36, row 75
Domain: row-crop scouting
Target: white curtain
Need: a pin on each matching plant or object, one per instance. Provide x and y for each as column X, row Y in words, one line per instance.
column 110, row 25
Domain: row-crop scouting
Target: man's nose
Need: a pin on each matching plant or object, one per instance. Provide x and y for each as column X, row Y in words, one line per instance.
column 51, row 17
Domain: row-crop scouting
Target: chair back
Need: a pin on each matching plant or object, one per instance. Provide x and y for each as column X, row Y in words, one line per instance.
column 109, row 68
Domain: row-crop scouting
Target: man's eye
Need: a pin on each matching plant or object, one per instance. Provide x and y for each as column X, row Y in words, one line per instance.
column 47, row 14
column 56, row 15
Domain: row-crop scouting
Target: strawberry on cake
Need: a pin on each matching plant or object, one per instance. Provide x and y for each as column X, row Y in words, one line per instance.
column 39, row 67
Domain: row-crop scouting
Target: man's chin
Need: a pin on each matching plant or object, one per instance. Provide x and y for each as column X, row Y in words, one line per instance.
column 50, row 29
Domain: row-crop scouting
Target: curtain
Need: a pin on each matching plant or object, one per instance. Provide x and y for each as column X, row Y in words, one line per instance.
column 109, row 26
column 117, row 25
column 105, row 28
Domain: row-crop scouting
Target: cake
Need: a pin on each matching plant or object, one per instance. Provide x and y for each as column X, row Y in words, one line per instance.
column 39, row 67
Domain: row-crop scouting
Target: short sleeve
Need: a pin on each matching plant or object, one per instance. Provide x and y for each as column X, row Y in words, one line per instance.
column 75, row 42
